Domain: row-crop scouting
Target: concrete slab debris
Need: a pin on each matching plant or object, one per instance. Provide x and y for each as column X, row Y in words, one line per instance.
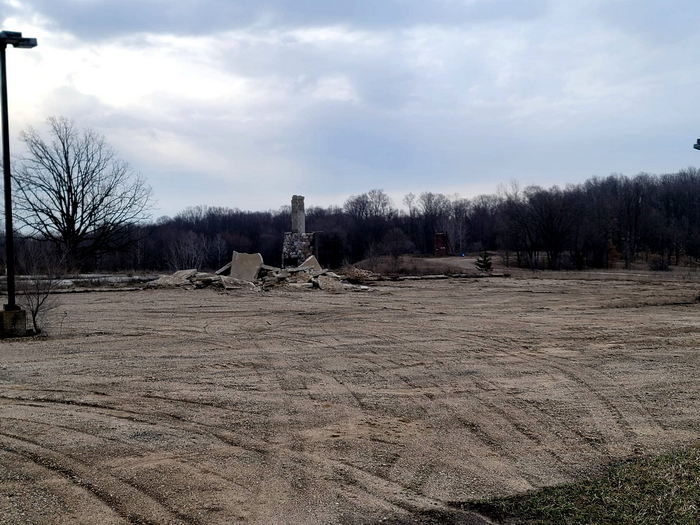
column 231, row 283
column 245, row 266
column 311, row 263
column 305, row 286
column 203, row 280
column 192, row 279
column 330, row 284
column 223, row 269
column 248, row 272
column 179, row 278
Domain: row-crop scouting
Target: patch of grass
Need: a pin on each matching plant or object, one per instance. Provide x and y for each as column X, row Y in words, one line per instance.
column 658, row 490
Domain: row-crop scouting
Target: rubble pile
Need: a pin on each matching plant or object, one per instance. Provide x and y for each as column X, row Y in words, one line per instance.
column 194, row 279
column 247, row 271
column 356, row 275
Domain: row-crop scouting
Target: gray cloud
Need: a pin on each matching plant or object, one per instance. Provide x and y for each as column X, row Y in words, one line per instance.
column 656, row 21
column 97, row 19
column 339, row 97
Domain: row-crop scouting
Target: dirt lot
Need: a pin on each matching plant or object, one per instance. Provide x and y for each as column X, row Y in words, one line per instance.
column 177, row 406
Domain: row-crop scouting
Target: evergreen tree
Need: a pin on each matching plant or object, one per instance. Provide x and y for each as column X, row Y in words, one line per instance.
column 483, row 263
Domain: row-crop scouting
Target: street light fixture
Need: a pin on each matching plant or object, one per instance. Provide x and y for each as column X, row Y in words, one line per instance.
column 697, row 144
column 13, row 317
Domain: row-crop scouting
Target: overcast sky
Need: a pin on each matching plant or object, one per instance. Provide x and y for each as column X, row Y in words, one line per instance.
column 244, row 103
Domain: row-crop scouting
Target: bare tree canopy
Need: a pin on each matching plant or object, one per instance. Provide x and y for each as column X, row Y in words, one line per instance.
column 74, row 191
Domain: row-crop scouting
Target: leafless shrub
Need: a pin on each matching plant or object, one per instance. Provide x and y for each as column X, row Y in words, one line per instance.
column 658, row 263
column 42, row 269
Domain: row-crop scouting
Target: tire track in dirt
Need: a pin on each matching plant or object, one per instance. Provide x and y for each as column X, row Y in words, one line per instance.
column 582, row 376
column 288, row 446
column 139, row 460
column 69, row 465
column 62, row 427
column 506, row 418
column 213, row 405
column 392, row 492
column 128, row 501
column 504, row 347
column 592, row 375
column 427, row 405
column 577, row 375
column 171, row 421
column 546, row 438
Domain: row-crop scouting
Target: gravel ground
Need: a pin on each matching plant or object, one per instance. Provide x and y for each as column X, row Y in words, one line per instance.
column 177, row 406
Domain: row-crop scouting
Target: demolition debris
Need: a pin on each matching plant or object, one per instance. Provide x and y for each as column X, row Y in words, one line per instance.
column 248, row 271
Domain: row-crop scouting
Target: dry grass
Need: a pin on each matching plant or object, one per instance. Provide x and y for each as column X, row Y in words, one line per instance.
column 660, row 489
column 413, row 265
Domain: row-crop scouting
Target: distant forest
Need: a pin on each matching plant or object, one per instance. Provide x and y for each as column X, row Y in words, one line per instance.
column 603, row 222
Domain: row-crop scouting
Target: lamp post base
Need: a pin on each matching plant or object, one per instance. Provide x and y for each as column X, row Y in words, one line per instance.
column 14, row 323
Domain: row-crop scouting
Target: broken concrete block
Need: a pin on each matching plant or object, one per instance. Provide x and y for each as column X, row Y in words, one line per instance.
column 223, row 269
column 300, row 285
column 245, row 266
column 299, row 277
column 183, row 275
column 311, row 263
column 330, row 284
column 230, row 283
column 179, row 278
column 202, row 280
column 268, row 272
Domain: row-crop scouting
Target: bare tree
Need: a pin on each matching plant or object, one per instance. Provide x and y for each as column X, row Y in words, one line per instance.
column 357, row 207
column 189, row 250
column 219, row 249
column 410, row 201
column 436, row 209
column 396, row 243
column 461, row 209
column 374, row 203
column 379, row 204
column 76, row 193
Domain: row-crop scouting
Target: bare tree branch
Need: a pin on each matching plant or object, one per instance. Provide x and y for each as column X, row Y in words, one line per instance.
column 75, row 192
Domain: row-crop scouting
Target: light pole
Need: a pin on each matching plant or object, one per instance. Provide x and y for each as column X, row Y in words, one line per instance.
column 14, row 318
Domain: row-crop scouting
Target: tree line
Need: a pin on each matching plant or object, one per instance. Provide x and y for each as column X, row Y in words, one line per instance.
column 601, row 223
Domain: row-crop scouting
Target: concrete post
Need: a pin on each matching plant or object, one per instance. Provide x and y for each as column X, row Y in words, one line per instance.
column 298, row 215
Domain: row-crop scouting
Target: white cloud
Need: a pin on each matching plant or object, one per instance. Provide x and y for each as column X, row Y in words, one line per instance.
column 337, row 88
column 346, row 103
